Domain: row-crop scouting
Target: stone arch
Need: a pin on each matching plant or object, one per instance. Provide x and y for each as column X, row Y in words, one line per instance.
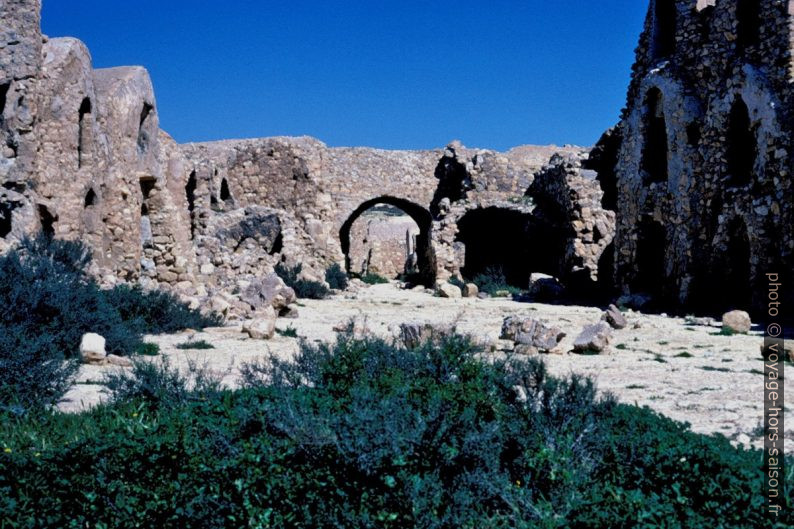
column 649, row 259
column 425, row 254
column 90, row 199
column 82, row 133
column 225, row 193
column 654, row 163
column 742, row 145
column 510, row 242
column 664, row 28
column 748, row 20
column 144, row 134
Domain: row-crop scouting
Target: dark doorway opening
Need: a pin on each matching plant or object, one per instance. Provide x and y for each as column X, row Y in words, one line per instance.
column 664, row 28
column 3, row 95
column 423, row 265
column 649, row 274
column 47, row 220
column 190, row 194
column 143, row 133
column 85, row 109
column 655, row 149
column 226, row 194
column 510, row 242
column 90, row 199
column 742, row 145
column 748, row 18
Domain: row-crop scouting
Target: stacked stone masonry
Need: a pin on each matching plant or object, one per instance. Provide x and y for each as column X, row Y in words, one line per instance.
column 689, row 192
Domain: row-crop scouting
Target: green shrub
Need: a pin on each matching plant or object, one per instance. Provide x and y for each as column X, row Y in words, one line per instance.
column 374, row 279
column 159, row 385
column 458, row 282
column 365, row 434
column 493, row 281
column 48, row 301
column 336, row 277
column 289, row 332
column 195, row 344
column 303, row 288
column 148, row 349
column 156, row 311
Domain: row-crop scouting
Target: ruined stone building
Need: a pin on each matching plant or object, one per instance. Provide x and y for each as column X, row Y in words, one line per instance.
column 693, row 185
column 702, row 186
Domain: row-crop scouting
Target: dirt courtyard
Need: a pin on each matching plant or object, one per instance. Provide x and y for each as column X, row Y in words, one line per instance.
column 690, row 373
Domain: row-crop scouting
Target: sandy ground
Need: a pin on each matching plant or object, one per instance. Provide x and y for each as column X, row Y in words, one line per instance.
column 689, row 373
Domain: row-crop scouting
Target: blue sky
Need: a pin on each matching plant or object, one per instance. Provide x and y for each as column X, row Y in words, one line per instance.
column 390, row 74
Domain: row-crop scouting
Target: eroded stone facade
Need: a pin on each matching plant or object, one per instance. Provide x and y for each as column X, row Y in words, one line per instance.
column 703, row 175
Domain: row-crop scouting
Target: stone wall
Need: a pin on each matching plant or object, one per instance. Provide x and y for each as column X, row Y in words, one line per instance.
column 703, row 175
column 84, row 158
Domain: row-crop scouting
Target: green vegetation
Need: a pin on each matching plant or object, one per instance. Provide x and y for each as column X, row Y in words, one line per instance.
column 373, row 279
column 364, row 434
column 303, row 287
column 336, row 277
column 684, row 354
column 49, row 301
column 148, row 349
column 289, row 332
column 195, row 344
column 493, row 282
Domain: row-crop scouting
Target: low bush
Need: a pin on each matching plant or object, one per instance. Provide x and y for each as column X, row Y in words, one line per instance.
column 195, row 344
column 458, row 282
column 365, row 434
column 48, row 301
column 336, row 277
column 303, row 288
column 374, row 279
column 493, row 281
column 289, row 332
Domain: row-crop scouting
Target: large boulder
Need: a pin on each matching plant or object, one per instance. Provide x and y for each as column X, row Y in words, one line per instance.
column 470, row 290
column 544, row 287
column 414, row 334
column 737, row 321
column 269, row 290
column 92, row 349
column 263, row 326
column 531, row 335
column 593, row 338
column 448, row 290
column 614, row 318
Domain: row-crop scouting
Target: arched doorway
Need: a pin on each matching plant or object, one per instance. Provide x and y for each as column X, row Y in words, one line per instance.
column 742, row 145
column 664, row 15
column 736, row 291
column 655, row 149
column 420, row 257
column 649, row 261
column 511, row 243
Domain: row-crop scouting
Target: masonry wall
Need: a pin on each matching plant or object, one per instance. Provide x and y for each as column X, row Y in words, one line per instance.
column 704, row 187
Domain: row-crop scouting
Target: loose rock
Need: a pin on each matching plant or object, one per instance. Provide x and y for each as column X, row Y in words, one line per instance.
column 593, row 338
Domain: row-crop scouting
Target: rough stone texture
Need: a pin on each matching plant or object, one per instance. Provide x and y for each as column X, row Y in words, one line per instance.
column 703, row 175
column 263, row 327
column 447, row 290
column 737, row 321
column 83, row 158
column 614, row 318
column 470, row 290
column 531, row 335
column 414, row 334
column 92, row 348
column 569, row 198
column 593, row 338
